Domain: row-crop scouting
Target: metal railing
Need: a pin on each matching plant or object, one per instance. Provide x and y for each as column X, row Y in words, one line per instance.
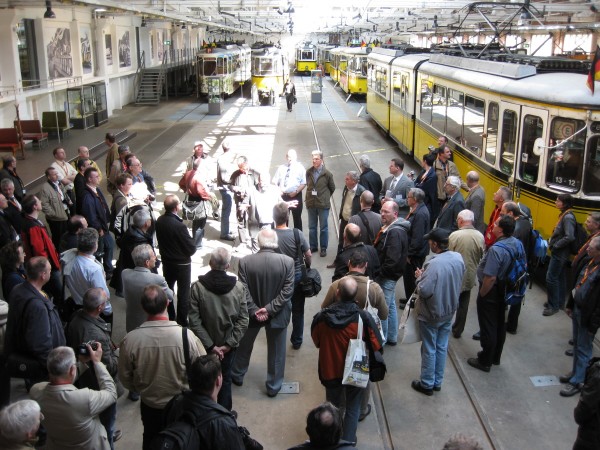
column 138, row 73
column 48, row 84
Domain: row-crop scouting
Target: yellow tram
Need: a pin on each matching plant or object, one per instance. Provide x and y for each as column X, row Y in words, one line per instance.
column 270, row 70
column 349, row 68
column 324, row 57
column 306, row 58
column 229, row 62
column 529, row 123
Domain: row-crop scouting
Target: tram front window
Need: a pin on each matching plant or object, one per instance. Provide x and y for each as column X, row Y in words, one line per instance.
column 591, row 177
column 209, row 68
column 565, row 162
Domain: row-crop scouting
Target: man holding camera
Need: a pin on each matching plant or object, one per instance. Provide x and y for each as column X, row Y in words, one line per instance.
column 71, row 414
column 87, row 326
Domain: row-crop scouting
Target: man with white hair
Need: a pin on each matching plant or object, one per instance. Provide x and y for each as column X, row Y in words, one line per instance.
column 454, row 204
column 470, row 244
column 269, row 280
column 290, row 178
column 71, row 414
column 19, row 424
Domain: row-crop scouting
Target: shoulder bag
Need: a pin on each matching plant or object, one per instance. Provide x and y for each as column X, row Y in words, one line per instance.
column 193, row 210
column 377, row 367
column 311, row 279
column 409, row 324
column 372, row 310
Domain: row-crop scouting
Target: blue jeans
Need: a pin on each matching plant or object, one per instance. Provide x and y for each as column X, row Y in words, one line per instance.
column 353, row 396
column 583, row 348
column 225, row 210
column 434, row 349
column 556, row 282
column 108, row 417
column 389, row 327
column 224, row 397
column 318, row 216
column 298, row 300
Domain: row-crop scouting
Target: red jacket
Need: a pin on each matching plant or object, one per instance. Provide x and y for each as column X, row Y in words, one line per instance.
column 36, row 241
column 192, row 185
column 489, row 236
column 331, row 331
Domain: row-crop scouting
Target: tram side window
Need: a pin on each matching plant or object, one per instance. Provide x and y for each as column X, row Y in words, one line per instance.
column 591, row 178
column 426, row 106
column 508, row 141
column 472, row 137
column 565, row 163
column 533, row 128
column 221, row 66
column 397, row 88
column 363, row 67
column 381, row 82
column 439, row 101
column 454, row 114
column 404, row 91
column 492, row 132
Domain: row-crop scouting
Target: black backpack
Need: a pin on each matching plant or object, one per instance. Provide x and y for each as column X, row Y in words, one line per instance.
column 581, row 237
column 180, row 435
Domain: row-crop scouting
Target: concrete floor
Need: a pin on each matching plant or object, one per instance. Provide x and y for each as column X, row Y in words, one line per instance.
column 505, row 402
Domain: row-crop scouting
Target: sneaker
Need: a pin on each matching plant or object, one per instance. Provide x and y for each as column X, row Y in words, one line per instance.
column 117, row 435
column 477, row 336
column 571, row 342
column 570, row 390
column 363, row 415
column 227, row 237
column 323, row 253
column 569, row 352
column 417, row 386
column 133, row 396
column 549, row 312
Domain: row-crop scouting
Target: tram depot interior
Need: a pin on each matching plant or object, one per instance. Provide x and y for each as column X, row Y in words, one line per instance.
column 85, row 61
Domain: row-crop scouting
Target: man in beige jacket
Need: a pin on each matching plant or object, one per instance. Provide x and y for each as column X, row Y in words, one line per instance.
column 152, row 361
column 71, row 414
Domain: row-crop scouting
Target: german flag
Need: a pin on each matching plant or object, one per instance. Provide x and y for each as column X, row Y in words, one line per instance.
column 594, row 70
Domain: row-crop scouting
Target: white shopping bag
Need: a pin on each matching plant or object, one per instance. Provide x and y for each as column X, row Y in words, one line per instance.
column 356, row 367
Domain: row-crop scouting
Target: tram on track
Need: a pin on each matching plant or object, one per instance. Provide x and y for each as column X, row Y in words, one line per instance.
column 229, row 62
column 324, row 57
column 527, row 122
column 349, row 68
column 306, row 58
column 270, row 70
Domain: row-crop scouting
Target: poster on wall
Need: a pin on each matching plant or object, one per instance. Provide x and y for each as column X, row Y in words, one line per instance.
column 60, row 59
column 160, row 46
column 108, row 49
column 124, row 50
column 86, row 48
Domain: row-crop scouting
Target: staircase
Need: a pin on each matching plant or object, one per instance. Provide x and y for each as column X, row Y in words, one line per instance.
column 150, row 87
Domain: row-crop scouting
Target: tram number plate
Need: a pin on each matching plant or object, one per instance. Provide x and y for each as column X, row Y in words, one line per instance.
column 545, row 380
column 565, row 181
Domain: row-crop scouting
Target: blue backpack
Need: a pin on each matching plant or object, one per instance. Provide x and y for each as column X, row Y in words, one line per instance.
column 538, row 250
column 517, row 278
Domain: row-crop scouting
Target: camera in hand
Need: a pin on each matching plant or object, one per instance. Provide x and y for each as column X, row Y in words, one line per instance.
column 83, row 350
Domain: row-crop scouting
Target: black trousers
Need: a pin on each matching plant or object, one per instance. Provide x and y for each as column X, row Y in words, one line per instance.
column 490, row 312
column 461, row 313
column 180, row 274
column 410, row 283
column 512, row 321
column 152, row 419
column 343, row 224
column 297, row 211
column 57, row 229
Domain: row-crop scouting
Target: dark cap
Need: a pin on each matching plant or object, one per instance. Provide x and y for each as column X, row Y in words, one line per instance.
column 440, row 235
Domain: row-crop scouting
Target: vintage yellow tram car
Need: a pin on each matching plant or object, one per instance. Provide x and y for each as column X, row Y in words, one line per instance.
column 270, row 70
column 229, row 62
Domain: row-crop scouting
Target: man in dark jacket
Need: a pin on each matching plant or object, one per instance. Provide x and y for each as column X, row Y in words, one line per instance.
column 324, row 428
column 33, row 327
column 370, row 180
column 87, row 325
column 352, row 244
column 391, row 244
column 454, row 205
column 331, row 331
column 96, row 211
column 418, row 248
column 219, row 315
column 350, row 204
column 367, row 220
column 584, row 310
column 319, row 188
column 586, row 411
column 217, row 428
column 176, row 249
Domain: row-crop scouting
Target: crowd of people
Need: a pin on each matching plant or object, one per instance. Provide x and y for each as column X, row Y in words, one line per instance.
column 198, row 336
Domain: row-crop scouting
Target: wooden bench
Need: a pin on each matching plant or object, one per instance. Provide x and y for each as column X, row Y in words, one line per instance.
column 31, row 130
column 9, row 139
column 55, row 122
